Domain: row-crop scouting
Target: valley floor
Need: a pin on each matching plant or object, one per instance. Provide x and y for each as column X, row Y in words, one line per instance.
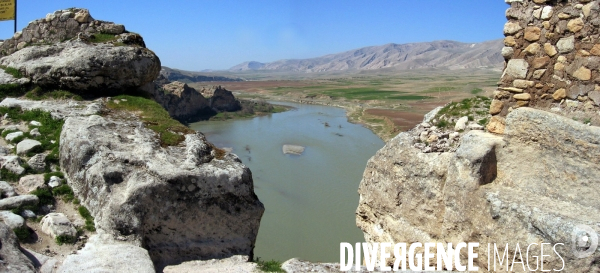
column 386, row 102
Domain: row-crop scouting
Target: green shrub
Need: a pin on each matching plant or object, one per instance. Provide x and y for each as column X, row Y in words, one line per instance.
column 65, row 191
column 12, row 71
column 8, row 176
column 45, row 196
column 22, row 233
column 11, row 90
column 65, row 239
column 268, row 266
column 89, row 220
column 102, row 38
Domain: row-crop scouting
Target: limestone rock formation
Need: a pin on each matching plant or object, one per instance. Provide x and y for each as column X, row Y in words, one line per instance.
column 534, row 184
column 223, row 100
column 103, row 254
column 13, row 260
column 181, row 101
column 59, row 26
column 181, row 203
column 86, row 67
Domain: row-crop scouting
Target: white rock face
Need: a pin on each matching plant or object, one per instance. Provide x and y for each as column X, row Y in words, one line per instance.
column 18, row 201
column 57, row 224
column 31, row 182
column 516, row 68
column 13, row 260
column 11, row 220
column 6, row 190
column 12, row 164
column 461, row 124
column 102, row 254
column 11, row 136
column 27, row 145
column 85, row 66
column 511, row 189
column 181, row 203
column 55, row 181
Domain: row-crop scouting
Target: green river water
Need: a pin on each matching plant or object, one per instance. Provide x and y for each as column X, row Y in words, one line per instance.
column 310, row 200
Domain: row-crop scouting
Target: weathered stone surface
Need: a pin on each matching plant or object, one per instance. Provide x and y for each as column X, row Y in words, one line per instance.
column 496, row 107
column 461, row 124
column 509, row 41
column 12, row 136
column 35, row 132
column 523, row 84
column 547, row 12
column 516, row 68
column 532, row 49
column 31, row 182
column 575, row 25
column 539, row 73
column 57, row 109
column 37, row 162
column 12, row 220
column 511, row 28
column 523, row 96
column 27, row 145
column 509, row 189
column 293, row 149
column 583, row 74
column 532, row 34
column 13, row 260
column 103, row 254
column 18, row 201
column 224, row 101
column 595, row 50
column 550, row 49
column 54, row 182
column 12, row 164
column 540, row 62
column 181, row 203
column 86, row 67
column 43, row 263
column 57, row 224
column 6, row 190
column 559, row 94
column 566, row 45
column 496, row 125
column 181, row 101
column 507, row 52
column 232, row 264
column 577, row 90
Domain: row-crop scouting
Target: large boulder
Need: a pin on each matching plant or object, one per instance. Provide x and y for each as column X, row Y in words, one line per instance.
column 57, row 224
column 86, row 67
column 13, row 260
column 181, row 203
column 223, row 100
column 181, row 101
column 537, row 183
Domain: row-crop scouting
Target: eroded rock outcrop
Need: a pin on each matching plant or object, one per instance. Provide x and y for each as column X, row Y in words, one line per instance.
column 181, row 101
column 223, row 100
column 82, row 66
column 534, row 184
column 181, row 203
column 12, row 259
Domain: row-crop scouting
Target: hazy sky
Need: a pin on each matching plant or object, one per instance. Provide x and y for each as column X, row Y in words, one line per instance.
column 217, row 34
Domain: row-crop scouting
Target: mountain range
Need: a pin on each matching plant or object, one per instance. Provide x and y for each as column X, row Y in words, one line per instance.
column 436, row 54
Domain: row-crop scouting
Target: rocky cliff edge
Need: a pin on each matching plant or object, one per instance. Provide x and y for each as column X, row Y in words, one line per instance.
column 534, row 184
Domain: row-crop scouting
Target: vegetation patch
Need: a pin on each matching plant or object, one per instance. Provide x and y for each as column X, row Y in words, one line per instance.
column 22, row 233
column 102, row 38
column 89, row 220
column 12, row 71
column 366, row 93
column 11, row 90
column 39, row 94
column 473, row 108
column 65, row 239
column 268, row 266
column 45, row 196
column 171, row 132
column 65, row 191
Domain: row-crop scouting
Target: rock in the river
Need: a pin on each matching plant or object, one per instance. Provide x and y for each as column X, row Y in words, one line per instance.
column 13, row 260
column 534, row 184
column 293, row 149
column 102, row 68
column 182, row 203
column 103, row 254
column 57, row 224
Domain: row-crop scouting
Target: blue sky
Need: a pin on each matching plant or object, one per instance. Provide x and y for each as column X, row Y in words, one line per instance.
column 197, row 34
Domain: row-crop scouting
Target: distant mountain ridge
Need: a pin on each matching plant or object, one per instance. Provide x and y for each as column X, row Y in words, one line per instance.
column 190, row 76
column 436, row 54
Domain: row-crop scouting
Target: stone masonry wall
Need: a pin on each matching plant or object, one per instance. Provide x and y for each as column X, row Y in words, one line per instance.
column 64, row 25
column 552, row 52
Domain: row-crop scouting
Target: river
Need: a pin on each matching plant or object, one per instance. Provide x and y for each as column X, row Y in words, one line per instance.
column 310, row 199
